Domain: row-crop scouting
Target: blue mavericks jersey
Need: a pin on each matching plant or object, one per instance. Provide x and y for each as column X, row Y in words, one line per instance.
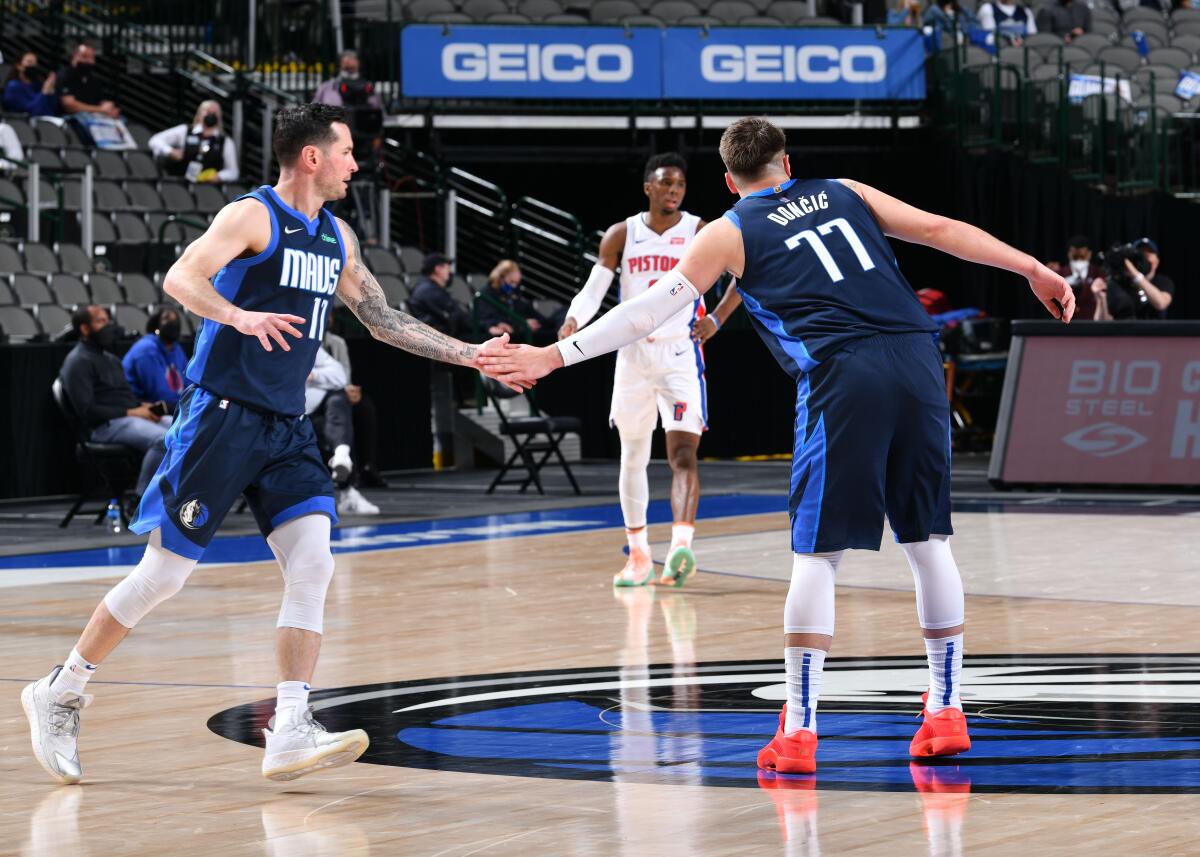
column 296, row 274
column 819, row 272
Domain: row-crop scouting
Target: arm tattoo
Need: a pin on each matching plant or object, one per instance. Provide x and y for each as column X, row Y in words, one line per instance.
column 367, row 301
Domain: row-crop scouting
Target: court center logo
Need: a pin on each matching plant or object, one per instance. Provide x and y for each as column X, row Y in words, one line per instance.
column 193, row 514
column 1059, row 723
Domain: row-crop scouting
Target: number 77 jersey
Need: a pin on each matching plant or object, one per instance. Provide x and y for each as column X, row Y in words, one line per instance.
column 819, row 272
column 296, row 274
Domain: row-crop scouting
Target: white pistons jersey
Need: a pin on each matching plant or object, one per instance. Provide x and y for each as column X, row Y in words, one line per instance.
column 647, row 257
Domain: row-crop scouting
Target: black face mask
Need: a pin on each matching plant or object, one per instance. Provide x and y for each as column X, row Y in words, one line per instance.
column 169, row 331
column 84, row 67
column 106, row 337
column 210, row 120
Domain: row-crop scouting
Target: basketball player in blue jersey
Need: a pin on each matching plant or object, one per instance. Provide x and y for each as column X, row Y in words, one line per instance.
column 263, row 277
column 824, row 291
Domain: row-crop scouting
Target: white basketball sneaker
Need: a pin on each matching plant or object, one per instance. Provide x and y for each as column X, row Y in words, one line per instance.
column 303, row 746
column 351, row 502
column 54, row 727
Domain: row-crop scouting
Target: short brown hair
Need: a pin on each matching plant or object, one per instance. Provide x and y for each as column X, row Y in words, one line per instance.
column 749, row 145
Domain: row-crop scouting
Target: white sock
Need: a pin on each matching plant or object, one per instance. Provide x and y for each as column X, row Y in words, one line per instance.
column 74, row 675
column 290, row 702
column 804, row 668
column 681, row 534
column 341, row 453
column 638, row 539
column 945, row 673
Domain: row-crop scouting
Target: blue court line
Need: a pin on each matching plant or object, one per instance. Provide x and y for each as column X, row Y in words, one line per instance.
column 407, row 534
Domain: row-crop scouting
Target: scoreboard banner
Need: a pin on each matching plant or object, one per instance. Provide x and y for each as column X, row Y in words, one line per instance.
column 1107, row 403
column 650, row 64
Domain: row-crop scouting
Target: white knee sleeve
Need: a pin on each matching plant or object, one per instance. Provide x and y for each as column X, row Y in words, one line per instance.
column 156, row 578
column 634, row 485
column 939, row 587
column 809, row 605
column 302, row 548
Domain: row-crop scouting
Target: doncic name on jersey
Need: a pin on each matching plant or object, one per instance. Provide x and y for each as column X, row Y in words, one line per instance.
column 1039, row 723
column 310, row 272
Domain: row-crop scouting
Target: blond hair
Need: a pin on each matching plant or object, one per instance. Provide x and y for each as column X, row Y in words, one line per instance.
column 203, row 108
column 500, row 273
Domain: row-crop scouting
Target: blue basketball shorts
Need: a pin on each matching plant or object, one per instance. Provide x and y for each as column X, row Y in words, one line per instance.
column 872, row 438
column 217, row 450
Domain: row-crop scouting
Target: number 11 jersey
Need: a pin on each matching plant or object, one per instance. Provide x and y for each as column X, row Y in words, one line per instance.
column 297, row 274
column 819, row 272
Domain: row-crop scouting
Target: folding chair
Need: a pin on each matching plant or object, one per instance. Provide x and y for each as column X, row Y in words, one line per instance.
column 525, row 432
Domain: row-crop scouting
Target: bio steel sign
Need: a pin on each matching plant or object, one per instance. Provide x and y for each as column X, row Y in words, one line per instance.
column 1117, row 410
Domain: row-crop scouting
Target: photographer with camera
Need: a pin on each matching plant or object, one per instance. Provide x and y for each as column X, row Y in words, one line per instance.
column 1132, row 287
column 202, row 153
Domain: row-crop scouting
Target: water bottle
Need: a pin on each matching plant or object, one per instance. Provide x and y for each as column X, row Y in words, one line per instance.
column 114, row 516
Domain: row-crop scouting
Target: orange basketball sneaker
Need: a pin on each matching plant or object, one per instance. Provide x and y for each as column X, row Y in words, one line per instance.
column 638, row 570
column 789, row 754
column 942, row 734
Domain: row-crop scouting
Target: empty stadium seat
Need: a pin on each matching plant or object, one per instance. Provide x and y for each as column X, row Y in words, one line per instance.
column 24, row 132
column 139, row 289
column 1191, row 44
column 1187, row 27
column 143, row 197
column 612, row 11
column 40, row 259
column 105, row 289
column 31, row 289
column 394, row 288
column 130, row 317
column 1108, row 29
column 109, row 165
column 481, row 9
column 177, row 198
column 68, row 290
column 1091, row 42
column 1140, row 13
column 380, row 261
column 1175, row 57
column 671, row 11
column 419, row 10
column 18, row 323
column 731, row 11
column 538, row 9
column 1120, row 57
column 141, row 166
column 76, row 160
column 72, row 259
column 7, row 298
column 411, row 258
column 209, row 198
column 110, row 197
column 10, row 259
column 55, row 320
column 47, row 159
column 50, row 134
column 131, row 228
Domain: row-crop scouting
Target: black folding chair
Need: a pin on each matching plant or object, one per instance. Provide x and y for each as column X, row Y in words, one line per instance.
column 112, row 468
column 536, row 438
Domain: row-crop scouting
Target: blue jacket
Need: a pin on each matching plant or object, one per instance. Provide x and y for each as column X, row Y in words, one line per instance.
column 21, row 97
column 148, row 367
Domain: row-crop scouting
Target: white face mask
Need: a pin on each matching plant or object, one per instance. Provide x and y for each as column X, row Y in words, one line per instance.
column 1079, row 267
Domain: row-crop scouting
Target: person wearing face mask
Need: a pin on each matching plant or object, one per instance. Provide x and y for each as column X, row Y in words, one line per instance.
column 1066, row 18
column 29, row 90
column 80, row 89
column 201, row 152
column 349, row 76
column 95, row 384
column 154, row 366
column 1081, row 272
column 501, row 308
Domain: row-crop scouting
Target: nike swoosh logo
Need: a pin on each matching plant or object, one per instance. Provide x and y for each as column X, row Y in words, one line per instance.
column 577, row 348
column 681, row 353
column 290, row 231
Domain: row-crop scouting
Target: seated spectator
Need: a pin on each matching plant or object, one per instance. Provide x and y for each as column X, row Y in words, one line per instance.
column 906, row 14
column 95, row 385
column 80, row 89
column 1011, row 21
column 1137, row 292
column 945, row 15
column 1066, row 18
column 500, row 308
column 28, row 91
column 1080, row 271
column 349, row 76
column 201, row 153
column 325, row 399
column 366, row 424
column 431, row 303
column 155, row 365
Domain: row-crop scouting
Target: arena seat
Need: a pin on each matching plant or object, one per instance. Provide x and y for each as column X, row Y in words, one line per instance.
column 69, row 291
column 18, row 323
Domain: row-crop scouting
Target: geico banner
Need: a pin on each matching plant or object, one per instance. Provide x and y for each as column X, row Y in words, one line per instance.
column 651, row 63
column 530, row 62
column 1105, row 409
column 819, row 63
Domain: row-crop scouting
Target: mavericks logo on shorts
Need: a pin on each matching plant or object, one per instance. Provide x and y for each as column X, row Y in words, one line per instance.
column 193, row 514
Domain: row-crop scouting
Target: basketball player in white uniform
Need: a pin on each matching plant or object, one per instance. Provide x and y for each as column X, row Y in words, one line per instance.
column 661, row 376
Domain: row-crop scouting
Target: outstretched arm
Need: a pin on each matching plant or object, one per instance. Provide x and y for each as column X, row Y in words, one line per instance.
column 360, row 291
column 908, row 223
column 713, row 252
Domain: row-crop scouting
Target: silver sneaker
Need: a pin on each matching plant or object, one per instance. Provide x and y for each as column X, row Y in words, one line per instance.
column 54, row 728
column 304, row 746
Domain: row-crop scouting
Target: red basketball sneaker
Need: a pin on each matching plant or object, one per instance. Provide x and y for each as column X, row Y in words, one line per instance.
column 789, row 754
column 942, row 734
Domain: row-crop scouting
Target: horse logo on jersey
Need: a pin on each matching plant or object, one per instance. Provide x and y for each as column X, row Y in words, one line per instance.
column 193, row 514
column 1040, row 723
